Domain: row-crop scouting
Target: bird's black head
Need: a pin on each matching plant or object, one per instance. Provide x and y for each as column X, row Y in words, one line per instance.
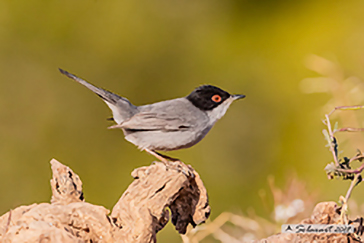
column 207, row 97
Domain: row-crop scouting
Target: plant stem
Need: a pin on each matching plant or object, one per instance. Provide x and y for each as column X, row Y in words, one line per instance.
column 332, row 140
column 352, row 185
column 352, row 107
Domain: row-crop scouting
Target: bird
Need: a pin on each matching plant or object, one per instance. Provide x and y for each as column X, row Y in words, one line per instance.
column 166, row 125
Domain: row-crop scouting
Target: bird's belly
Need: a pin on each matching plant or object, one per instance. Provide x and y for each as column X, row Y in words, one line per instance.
column 165, row 141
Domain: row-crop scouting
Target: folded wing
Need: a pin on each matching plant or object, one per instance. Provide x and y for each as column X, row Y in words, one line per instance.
column 149, row 121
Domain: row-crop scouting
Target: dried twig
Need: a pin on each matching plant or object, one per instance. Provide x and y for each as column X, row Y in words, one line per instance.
column 343, row 169
column 343, row 108
column 354, row 182
column 332, row 140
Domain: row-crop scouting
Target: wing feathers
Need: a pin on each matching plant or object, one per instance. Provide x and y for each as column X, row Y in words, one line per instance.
column 146, row 121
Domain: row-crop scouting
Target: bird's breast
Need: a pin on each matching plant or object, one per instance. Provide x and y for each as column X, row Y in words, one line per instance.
column 166, row 141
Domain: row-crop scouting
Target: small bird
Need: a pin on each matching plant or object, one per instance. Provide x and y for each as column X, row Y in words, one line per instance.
column 166, row 125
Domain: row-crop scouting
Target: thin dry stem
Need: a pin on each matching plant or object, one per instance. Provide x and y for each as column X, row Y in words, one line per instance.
column 355, row 171
column 331, row 134
column 349, row 129
column 343, row 108
column 352, row 185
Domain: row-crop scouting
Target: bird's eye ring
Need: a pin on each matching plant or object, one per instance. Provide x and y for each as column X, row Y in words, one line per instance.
column 216, row 98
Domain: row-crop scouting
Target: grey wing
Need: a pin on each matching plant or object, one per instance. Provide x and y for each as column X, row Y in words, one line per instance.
column 149, row 121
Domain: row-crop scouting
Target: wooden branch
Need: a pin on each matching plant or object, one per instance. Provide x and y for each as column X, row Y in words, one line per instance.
column 66, row 185
column 137, row 217
column 155, row 188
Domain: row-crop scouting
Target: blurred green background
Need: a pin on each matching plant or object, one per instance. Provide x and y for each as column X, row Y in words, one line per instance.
column 150, row 51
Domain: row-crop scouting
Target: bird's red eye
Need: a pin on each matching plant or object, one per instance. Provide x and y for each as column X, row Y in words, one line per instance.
column 216, row 98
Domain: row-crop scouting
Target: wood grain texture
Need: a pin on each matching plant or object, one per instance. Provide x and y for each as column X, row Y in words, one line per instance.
column 137, row 217
column 155, row 188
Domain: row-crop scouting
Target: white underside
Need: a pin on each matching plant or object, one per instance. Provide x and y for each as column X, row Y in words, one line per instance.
column 220, row 110
column 116, row 115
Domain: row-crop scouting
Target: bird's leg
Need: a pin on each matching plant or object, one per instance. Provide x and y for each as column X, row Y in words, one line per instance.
column 157, row 155
column 161, row 157
column 167, row 157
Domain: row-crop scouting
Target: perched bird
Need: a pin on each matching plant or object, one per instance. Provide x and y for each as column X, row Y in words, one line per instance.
column 166, row 125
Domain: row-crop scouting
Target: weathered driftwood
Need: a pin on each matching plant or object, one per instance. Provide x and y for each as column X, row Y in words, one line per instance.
column 140, row 213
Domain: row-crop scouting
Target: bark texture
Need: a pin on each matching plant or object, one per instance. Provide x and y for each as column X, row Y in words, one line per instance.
column 137, row 217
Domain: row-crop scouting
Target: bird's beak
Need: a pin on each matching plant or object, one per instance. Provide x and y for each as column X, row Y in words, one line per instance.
column 237, row 97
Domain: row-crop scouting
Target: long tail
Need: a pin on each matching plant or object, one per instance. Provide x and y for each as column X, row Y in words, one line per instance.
column 104, row 94
column 121, row 108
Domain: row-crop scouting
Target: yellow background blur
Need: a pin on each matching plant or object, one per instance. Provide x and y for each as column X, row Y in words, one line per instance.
column 150, row 51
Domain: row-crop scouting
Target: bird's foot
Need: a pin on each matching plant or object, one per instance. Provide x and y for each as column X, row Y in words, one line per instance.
column 181, row 167
column 171, row 163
